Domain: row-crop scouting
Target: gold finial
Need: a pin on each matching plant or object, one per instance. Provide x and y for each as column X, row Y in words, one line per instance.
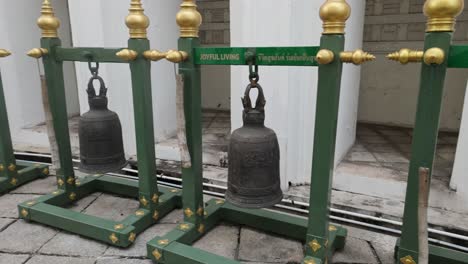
column 189, row 19
column 334, row 14
column 4, row 53
column 47, row 21
column 356, row 57
column 442, row 14
column 127, row 55
column 325, row 56
column 404, row 56
column 137, row 21
column 434, row 56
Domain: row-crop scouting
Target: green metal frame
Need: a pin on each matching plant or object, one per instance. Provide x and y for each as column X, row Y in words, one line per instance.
column 13, row 173
column 424, row 147
column 321, row 239
column 154, row 202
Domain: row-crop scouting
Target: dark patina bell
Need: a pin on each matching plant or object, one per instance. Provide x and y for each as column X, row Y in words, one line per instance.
column 100, row 134
column 254, row 159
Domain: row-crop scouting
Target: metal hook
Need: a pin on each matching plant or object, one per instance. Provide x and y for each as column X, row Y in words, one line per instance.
column 94, row 70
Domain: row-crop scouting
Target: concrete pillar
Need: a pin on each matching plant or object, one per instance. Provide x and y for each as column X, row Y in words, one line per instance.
column 459, row 180
column 104, row 26
column 291, row 91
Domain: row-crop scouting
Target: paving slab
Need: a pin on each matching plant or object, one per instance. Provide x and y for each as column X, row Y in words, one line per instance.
column 13, row 258
column 73, row 245
column 39, row 186
column 9, row 203
column 384, row 253
column 23, row 237
column 42, row 259
column 5, row 222
column 138, row 249
column 261, row 247
column 222, row 240
column 174, row 217
column 390, row 157
column 356, row 251
column 83, row 203
column 111, row 260
column 361, row 156
column 112, row 207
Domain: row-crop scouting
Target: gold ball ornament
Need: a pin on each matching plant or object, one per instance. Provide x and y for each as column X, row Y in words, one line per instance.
column 334, row 14
column 189, row 19
column 137, row 21
column 441, row 14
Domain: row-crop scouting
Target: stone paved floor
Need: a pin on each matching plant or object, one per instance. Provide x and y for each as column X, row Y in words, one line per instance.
column 29, row 243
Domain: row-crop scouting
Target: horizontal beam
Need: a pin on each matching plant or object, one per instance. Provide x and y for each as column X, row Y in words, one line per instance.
column 103, row 55
column 268, row 56
column 458, row 57
column 437, row 255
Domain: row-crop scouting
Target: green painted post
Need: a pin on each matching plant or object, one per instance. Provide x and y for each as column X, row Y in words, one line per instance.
column 192, row 178
column 144, row 127
column 7, row 157
column 436, row 52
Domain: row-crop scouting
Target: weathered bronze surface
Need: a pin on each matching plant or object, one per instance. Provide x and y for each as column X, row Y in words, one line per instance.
column 100, row 133
column 254, row 159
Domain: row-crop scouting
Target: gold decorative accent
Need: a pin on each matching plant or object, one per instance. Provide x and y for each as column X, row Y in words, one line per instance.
column 315, row 245
column 163, row 242
column 184, row 227
column 156, row 215
column 200, row 211
column 434, row 56
column 13, row 181
column 325, row 56
column 332, row 228
column 56, row 192
column 132, row 237
column 72, row 196
column 189, row 19
column 2, row 168
column 45, row 171
column 71, row 180
column 127, row 54
column 154, row 55
column 155, row 198
column 140, row 213
column 60, row 182
column 176, row 56
column 137, row 21
column 31, row 203
column 188, row 212
column 201, row 229
column 24, row 213
column 334, row 14
column 442, row 14
column 156, row 254
column 174, row 190
column 12, row 167
column 113, row 238
column 356, row 57
column 218, row 202
column 4, row 53
column 143, row 201
column 77, row 182
column 405, row 56
column 47, row 21
column 309, row 261
column 119, row 227
column 38, row 52
column 407, row 260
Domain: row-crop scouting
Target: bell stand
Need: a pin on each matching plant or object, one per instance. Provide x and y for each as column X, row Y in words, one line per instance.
column 439, row 54
column 154, row 202
column 13, row 173
column 321, row 239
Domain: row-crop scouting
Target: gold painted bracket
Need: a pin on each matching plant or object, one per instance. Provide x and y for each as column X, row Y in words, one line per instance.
column 431, row 56
column 4, row 53
column 127, row 54
column 356, row 57
column 38, row 53
column 174, row 56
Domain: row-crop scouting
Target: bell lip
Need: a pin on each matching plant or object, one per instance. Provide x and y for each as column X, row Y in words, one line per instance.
column 89, row 170
column 235, row 202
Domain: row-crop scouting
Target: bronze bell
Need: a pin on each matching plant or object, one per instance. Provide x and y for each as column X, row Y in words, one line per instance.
column 100, row 134
column 254, row 159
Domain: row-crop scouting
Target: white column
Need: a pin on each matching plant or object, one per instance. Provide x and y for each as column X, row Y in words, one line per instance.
column 291, row 91
column 102, row 24
column 459, row 180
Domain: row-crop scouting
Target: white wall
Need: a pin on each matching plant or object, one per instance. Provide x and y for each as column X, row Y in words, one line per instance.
column 291, row 91
column 459, row 180
column 20, row 72
column 102, row 26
